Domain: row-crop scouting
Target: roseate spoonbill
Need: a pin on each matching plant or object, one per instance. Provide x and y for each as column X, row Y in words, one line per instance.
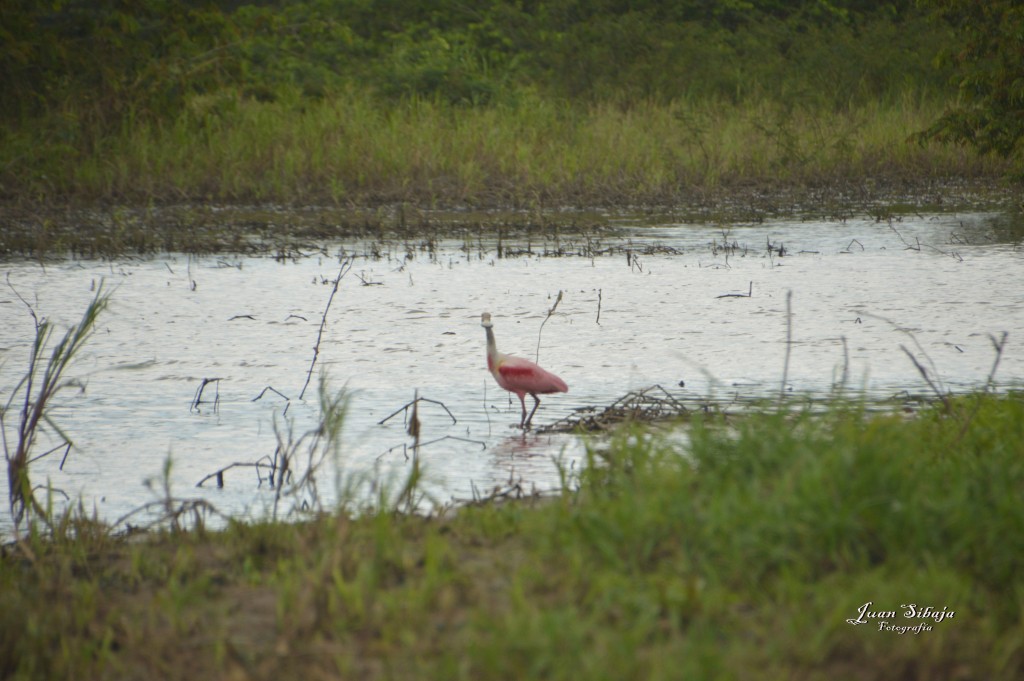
column 518, row 375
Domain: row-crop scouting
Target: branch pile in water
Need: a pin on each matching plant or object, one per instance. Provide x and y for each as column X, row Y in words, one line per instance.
column 643, row 406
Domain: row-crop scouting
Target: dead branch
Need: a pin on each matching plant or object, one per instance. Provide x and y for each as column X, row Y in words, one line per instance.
column 998, row 346
column 173, row 511
column 273, row 390
column 541, row 330
column 258, row 465
column 346, row 265
column 411, row 405
column 789, row 343
column 198, row 399
column 748, row 294
column 924, row 374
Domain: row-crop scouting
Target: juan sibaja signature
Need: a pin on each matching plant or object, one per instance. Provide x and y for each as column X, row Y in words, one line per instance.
column 887, row 619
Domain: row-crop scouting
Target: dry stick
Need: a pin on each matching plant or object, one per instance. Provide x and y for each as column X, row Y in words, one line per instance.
column 173, row 510
column 487, row 413
column 405, row 446
column 917, row 247
column 789, row 343
column 411, row 405
column 598, row 320
column 550, row 312
column 913, row 338
column 270, row 389
column 413, row 429
column 198, row 399
column 219, row 474
column 66, row 446
column 999, row 346
column 910, row 247
column 346, row 265
column 483, row 445
column 748, row 294
column 924, row 374
column 846, row 364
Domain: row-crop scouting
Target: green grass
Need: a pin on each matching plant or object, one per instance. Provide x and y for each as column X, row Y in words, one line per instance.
column 355, row 150
column 740, row 556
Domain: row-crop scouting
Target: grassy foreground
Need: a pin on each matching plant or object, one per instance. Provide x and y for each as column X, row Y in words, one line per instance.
column 742, row 557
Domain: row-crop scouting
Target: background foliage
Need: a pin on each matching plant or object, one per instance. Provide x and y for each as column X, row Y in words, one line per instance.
column 988, row 62
column 111, row 59
column 86, row 83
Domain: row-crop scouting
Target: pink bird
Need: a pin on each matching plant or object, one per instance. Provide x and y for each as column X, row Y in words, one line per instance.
column 518, row 375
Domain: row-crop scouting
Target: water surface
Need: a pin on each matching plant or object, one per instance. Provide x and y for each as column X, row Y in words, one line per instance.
column 656, row 304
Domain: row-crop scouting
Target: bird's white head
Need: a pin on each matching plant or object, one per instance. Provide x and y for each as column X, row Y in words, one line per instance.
column 485, row 320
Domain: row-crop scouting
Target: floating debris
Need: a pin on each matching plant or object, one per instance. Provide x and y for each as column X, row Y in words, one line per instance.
column 643, row 406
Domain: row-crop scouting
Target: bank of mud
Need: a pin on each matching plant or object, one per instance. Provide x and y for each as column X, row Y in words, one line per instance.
column 79, row 228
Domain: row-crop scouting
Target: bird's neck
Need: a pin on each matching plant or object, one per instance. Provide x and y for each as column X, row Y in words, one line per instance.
column 492, row 350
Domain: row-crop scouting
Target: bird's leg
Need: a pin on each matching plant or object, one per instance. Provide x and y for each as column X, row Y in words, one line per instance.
column 523, row 422
column 536, row 404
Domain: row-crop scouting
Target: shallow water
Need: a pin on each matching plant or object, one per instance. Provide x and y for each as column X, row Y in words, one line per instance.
column 407, row 322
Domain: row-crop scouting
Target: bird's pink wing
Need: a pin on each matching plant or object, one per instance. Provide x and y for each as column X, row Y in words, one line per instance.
column 518, row 374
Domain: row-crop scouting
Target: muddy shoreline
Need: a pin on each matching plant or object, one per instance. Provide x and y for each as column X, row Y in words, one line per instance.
column 79, row 228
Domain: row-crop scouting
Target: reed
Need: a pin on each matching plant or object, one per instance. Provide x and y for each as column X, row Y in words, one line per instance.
column 31, row 400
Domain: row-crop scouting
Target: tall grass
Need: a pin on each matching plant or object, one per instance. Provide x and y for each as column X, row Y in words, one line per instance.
column 353, row 149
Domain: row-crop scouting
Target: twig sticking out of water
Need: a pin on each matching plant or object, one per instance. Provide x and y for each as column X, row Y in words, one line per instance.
column 405, row 447
column 65, row 445
column 260, row 464
column 174, row 510
column 413, row 429
column 845, row 376
column 909, row 246
column 198, row 399
column 346, row 265
column 998, row 346
column 541, row 330
column 598, row 320
column 316, row 446
column 512, row 491
column 924, row 374
column 412, row 405
column 270, row 389
column 287, row 400
column 368, row 282
column 939, row 389
column 917, row 245
column 748, row 294
column 789, row 343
